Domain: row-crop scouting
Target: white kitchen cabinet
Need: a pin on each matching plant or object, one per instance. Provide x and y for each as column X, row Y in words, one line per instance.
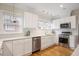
column 7, row 48
column 56, row 24
column 28, row 46
column 71, row 19
column 53, row 40
column 30, row 20
column 22, row 47
column 18, row 47
column 1, row 23
column 48, row 41
column 73, row 42
column 44, row 43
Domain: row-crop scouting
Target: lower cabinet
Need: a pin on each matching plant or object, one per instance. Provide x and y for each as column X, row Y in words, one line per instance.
column 22, row 47
column 18, row 47
column 7, row 48
column 48, row 41
column 73, row 42
column 28, row 47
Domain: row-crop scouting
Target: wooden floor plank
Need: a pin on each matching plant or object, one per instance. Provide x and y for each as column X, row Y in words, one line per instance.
column 54, row 51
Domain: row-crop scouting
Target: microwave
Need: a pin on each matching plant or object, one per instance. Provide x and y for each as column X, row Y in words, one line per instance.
column 65, row 25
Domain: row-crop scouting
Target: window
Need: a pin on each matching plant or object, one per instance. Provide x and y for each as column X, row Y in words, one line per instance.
column 12, row 23
column 44, row 25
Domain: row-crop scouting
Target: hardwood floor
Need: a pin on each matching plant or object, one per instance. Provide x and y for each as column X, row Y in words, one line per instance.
column 54, row 51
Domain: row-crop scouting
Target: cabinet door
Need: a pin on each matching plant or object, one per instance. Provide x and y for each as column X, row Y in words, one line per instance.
column 56, row 24
column 73, row 22
column 1, row 23
column 48, row 41
column 43, row 43
column 54, row 39
column 30, row 20
column 72, row 42
column 34, row 21
column 7, row 48
column 18, row 47
column 27, row 19
column 51, row 40
column 28, row 46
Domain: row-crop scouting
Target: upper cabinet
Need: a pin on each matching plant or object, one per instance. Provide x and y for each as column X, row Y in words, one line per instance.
column 72, row 20
column 30, row 20
column 56, row 24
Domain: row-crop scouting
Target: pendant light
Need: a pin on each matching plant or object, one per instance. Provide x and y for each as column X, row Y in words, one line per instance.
column 13, row 18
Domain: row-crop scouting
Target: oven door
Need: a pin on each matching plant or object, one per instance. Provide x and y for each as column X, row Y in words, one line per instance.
column 63, row 40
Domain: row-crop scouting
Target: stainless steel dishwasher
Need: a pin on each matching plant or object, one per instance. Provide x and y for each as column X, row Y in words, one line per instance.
column 36, row 43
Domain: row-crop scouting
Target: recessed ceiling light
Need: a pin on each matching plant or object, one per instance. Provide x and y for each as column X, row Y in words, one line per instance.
column 61, row 6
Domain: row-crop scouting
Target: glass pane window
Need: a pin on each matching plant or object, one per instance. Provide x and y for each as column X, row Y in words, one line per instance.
column 11, row 23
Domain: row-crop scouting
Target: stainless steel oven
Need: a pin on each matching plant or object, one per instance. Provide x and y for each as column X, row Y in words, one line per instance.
column 64, row 39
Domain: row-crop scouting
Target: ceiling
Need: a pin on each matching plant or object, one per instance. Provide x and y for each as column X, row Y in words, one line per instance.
column 53, row 10
column 49, row 10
